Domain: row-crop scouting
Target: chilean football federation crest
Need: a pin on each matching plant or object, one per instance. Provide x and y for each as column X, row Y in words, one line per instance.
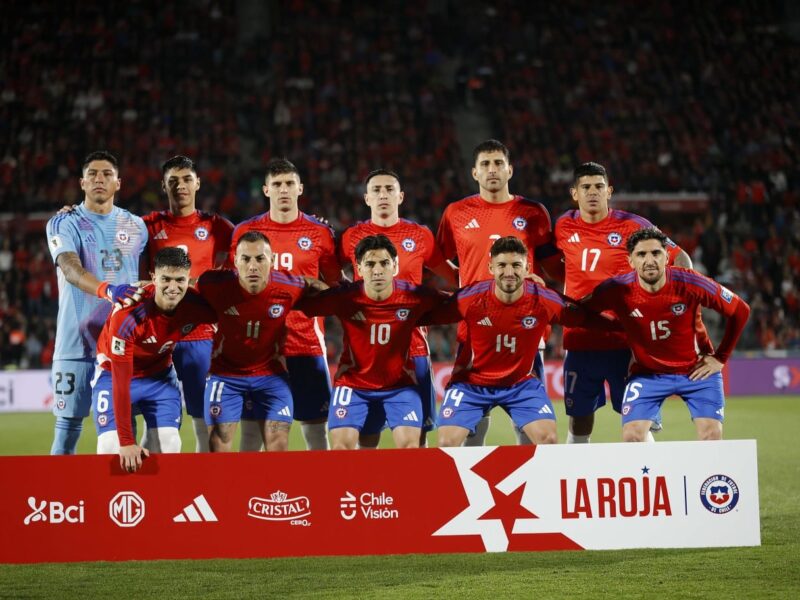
column 304, row 243
column 123, row 237
column 529, row 322
column 402, row 314
column 408, row 245
column 447, row 412
column 614, row 238
column 678, row 309
column 201, row 233
column 719, row 494
column 276, row 310
column 520, row 223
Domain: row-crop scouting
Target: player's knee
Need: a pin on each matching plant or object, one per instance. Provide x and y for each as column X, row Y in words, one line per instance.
column 710, row 431
column 169, row 439
column 108, row 443
column 634, row 434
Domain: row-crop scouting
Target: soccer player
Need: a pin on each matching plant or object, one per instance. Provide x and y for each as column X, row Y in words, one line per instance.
column 470, row 226
column 417, row 250
column 593, row 241
column 93, row 246
column 376, row 380
column 206, row 238
column 656, row 305
column 505, row 318
column 134, row 359
column 302, row 246
column 247, row 364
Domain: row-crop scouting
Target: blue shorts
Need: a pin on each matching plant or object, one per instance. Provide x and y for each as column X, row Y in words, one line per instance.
column 310, row 382
column 157, row 398
column 585, row 374
column 268, row 397
column 72, row 387
column 192, row 360
column 645, row 394
column 464, row 405
column 400, row 407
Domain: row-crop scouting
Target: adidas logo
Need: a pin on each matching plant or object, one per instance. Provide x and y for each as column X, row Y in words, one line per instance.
column 473, row 224
column 285, row 412
column 359, row 316
column 161, row 235
column 545, row 410
column 412, row 416
column 485, row 321
column 232, row 311
column 151, row 340
column 574, row 238
column 197, row 512
column 636, row 313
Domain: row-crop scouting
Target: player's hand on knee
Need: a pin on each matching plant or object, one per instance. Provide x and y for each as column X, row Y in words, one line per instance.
column 130, row 457
column 705, row 367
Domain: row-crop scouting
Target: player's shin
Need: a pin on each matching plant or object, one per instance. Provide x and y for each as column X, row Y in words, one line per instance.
column 67, row 432
column 315, row 435
column 200, row 434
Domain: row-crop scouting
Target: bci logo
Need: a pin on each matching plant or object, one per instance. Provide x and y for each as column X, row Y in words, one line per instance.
column 54, row 512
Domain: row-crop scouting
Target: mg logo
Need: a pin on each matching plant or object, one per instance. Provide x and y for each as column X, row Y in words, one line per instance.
column 126, row 509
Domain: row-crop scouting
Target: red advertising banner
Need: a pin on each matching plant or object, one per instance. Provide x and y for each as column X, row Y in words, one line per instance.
column 85, row 508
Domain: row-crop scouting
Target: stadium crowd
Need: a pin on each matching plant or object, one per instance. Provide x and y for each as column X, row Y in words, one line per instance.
column 699, row 98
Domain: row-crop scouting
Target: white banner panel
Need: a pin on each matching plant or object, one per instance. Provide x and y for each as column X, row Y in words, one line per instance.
column 25, row 391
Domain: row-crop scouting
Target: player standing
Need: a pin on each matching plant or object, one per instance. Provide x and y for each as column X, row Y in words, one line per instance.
column 416, row 250
column 375, row 381
column 206, row 238
column 95, row 245
column 302, row 246
column 134, row 363
column 470, row 226
column 656, row 305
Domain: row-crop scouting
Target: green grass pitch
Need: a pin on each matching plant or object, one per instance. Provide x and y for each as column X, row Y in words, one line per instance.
column 769, row 571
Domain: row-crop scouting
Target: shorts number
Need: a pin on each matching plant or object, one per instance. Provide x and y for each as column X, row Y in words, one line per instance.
column 379, row 332
column 342, row 395
column 570, row 379
column 453, row 394
column 505, row 341
column 68, row 379
column 632, row 391
column 283, row 261
column 102, row 401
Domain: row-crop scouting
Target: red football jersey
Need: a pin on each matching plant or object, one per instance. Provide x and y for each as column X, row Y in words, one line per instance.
column 203, row 235
column 137, row 341
column 251, row 327
column 377, row 335
column 305, row 246
column 416, row 250
column 593, row 252
column 661, row 326
column 470, row 226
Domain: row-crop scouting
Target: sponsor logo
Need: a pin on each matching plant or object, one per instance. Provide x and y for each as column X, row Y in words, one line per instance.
column 447, row 412
column 678, row 309
column 117, row 346
column 574, row 239
column 520, row 223
column 187, row 328
column 408, row 245
column 367, row 504
column 358, row 316
column 276, row 310
column 285, row 412
column 402, row 314
column 126, row 509
column 54, row 512
column 726, row 294
column 529, row 322
column 412, row 416
column 55, row 242
column 161, row 235
column 545, row 410
column 123, row 237
column 201, row 233
column 485, row 321
column 198, row 511
column 232, row 311
column 636, row 313
column 785, row 376
column 473, row 224
column 614, row 239
column 719, row 494
column 304, row 243
column 609, row 497
column 279, row 507
column 151, row 340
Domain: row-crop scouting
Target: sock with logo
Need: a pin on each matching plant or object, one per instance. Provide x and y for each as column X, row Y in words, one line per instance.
column 67, row 432
column 251, row 436
column 479, row 437
column 200, row 434
column 577, row 439
column 315, row 435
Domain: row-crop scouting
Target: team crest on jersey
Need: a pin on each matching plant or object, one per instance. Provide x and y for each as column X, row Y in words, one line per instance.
column 304, row 243
column 520, row 223
column 726, row 294
column 187, row 328
column 719, row 494
column 408, row 245
column 341, row 412
column 529, row 322
column 678, row 309
column 276, row 310
column 402, row 314
column 201, row 233
column 123, row 237
column 614, row 238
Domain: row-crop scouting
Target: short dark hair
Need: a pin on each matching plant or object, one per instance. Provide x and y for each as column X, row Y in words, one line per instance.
column 254, row 236
column 508, row 244
column 100, row 155
column 490, row 146
column 648, row 233
column 178, row 162
column 280, row 166
column 588, row 169
column 374, row 242
column 378, row 172
column 172, row 257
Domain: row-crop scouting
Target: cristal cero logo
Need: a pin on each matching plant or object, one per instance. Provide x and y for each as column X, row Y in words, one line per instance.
column 279, row 507
column 719, row 494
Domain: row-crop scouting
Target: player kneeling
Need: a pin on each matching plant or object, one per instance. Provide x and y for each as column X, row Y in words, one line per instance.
column 505, row 318
column 134, row 363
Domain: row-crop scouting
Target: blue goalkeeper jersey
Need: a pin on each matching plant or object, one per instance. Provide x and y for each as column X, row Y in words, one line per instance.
column 109, row 247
